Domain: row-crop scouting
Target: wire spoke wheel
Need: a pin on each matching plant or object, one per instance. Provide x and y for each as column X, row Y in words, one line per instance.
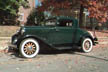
column 29, row 48
column 87, row 45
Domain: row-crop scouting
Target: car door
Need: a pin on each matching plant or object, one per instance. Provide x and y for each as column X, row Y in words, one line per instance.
column 63, row 34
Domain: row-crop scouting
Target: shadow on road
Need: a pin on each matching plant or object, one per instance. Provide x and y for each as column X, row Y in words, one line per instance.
column 46, row 51
column 75, row 51
column 92, row 57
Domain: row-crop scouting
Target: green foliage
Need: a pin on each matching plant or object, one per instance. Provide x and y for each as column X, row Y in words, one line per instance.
column 11, row 6
column 9, row 10
column 35, row 18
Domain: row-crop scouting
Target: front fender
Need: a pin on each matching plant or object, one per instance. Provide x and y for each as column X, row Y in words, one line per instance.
column 27, row 36
column 40, row 40
column 86, row 35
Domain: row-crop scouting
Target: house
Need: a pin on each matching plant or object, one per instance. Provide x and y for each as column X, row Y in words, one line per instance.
column 24, row 12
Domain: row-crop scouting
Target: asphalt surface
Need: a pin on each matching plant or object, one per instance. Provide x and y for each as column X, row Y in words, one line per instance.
column 56, row 61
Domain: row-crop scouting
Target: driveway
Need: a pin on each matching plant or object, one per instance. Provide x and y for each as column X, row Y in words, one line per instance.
column 57, row 61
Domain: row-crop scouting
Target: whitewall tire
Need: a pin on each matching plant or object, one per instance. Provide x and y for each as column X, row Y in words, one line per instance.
column 87, row 45
column 29, row 48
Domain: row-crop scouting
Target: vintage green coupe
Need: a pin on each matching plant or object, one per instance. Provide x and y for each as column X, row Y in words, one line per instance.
column 58, row 32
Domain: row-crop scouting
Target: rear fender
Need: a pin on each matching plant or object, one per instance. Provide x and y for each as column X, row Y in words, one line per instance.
column 85, row 36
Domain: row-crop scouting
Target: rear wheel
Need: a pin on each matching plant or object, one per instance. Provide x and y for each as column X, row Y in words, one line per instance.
column 29, row 48
column 87, row 45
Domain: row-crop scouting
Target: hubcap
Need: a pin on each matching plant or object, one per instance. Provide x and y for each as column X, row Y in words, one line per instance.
column 29, row 48
column 87, row 45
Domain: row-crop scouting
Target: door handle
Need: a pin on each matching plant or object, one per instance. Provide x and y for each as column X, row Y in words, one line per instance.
column 57, row 30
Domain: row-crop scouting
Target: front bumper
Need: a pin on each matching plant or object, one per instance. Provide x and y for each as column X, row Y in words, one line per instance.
column 95, row 40
column 12, row 46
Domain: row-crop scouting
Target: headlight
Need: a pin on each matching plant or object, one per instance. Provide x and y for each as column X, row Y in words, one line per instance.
column 22, row 31
column 17, row 31
column 15, row 40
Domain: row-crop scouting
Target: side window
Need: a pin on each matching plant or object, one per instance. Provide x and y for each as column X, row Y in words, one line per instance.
column 50, row 23
column 66, row 23
column 69, row 24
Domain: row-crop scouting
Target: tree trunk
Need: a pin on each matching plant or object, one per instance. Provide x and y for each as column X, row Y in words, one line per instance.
column 91, row 23
column 81, row 16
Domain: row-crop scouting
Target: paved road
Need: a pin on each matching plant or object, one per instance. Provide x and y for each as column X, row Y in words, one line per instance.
column 65, row 61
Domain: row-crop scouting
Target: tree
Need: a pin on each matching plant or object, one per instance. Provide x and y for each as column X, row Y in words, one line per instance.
column 35, row 18
column 97, row 8
column 56, row 5
column 9, row 10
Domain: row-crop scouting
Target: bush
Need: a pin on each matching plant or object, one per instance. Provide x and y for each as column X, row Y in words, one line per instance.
column 35, row 18
column 7, row 18
column 9, row 11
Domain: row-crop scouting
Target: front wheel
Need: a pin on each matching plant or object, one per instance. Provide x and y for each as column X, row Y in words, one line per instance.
column 29, row 48
column 87, row 45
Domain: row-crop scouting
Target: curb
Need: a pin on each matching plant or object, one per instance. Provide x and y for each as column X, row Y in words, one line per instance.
column 103, row 42
column 5, row 38
column 102, row 37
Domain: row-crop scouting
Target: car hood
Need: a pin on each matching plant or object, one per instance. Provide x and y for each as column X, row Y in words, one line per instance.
column 27, row 27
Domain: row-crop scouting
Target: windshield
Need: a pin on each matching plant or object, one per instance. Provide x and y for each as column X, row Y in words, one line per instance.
column 51, row 22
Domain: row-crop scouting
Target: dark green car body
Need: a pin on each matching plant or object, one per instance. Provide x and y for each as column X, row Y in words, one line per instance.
column 57, row 32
